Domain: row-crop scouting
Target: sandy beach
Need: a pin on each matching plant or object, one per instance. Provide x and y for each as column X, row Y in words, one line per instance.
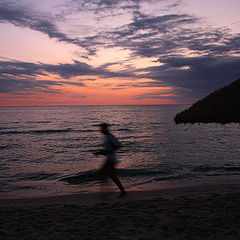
column 200, row 212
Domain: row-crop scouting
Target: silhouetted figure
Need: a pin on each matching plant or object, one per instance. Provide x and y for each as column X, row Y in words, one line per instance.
column 110, row 145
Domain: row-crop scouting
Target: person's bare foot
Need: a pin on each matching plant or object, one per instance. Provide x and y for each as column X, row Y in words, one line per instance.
column 123, row 194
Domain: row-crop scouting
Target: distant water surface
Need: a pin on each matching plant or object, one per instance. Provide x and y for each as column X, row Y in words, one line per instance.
column 40, row 147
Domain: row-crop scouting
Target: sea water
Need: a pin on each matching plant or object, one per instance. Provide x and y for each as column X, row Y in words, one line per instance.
column 41, row 147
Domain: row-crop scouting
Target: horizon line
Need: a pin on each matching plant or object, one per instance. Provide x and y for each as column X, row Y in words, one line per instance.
column 98, row 105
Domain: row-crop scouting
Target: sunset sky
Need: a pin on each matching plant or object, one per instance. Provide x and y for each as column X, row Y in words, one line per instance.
column 92, row 52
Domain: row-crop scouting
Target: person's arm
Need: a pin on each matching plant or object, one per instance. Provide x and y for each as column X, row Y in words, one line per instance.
column 100, row 152
column 115, row 143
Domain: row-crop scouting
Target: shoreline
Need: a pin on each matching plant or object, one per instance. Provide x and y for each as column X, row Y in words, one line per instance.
column 111, row 189
column 93, row 198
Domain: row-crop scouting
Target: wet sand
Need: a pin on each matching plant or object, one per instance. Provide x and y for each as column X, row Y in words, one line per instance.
column 199, row 212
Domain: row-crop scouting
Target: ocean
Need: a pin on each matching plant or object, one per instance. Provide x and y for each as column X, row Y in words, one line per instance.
column 41, row 148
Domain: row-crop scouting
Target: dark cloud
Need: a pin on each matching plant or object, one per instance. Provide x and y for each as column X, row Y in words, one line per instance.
column 81, row 69
column 16, row 76
column 104, row 6
column 155, row 36
column 154, row 95
column 160, row 23
column 147, row 27
column 65, row 70
column 28, row 86
column 23, row 77
column 89, row 79
column 200, row 75
column 117, row 88
column 23, row 16
column 191, row 77
column 170, row 34
column 109, row 7
column 69, row 70
column 17, row 68
column 175, row 4
column 169, row 38
column 78, row 96
column 73, row 83
column 145, row 36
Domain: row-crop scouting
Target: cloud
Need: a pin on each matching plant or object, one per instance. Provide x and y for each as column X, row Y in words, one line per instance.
column 65, row 70
column 104, row 6
column 175, row 4
column 109, row 7
column 199, row 75
column 194, row 60
column 145, row 36
column 26, row 86
column 171, row 34
column 190, row 77
column 155, row 95
column 155, row 36
column 23, row 16
column 77, row 68
column 16, row 68
column 16, row 76
column 69, row 70
column 78, row 96
column 171, row 39
column 24, row 77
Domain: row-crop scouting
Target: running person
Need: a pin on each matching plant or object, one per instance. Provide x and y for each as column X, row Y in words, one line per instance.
column 110, row 145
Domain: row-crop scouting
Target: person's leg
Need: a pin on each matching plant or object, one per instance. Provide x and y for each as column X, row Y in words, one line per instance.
column 119, row 184
column 103, row 178
column 115, row 179
column 103, row 171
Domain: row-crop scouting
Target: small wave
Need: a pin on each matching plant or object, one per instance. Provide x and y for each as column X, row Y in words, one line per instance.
column 8, row 128
column 209, row 168
column 96, row 124
column 47, row 131
column 99, row 123
column 140, row 172
column 12, row 187
column 222, row 174
column 231, row 169
column 86, row 130
column 92, row 175
column 4, row 147
column 36, row 176
column 38, row 122
column 123, row 130
column 82, row 177
column 204, row 168
column 3, row 184
column 156, row 123
column 173, row 177
column 52, row 131
column 3, row 168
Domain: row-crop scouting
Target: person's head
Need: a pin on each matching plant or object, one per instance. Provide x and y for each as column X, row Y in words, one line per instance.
column 104, row 128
